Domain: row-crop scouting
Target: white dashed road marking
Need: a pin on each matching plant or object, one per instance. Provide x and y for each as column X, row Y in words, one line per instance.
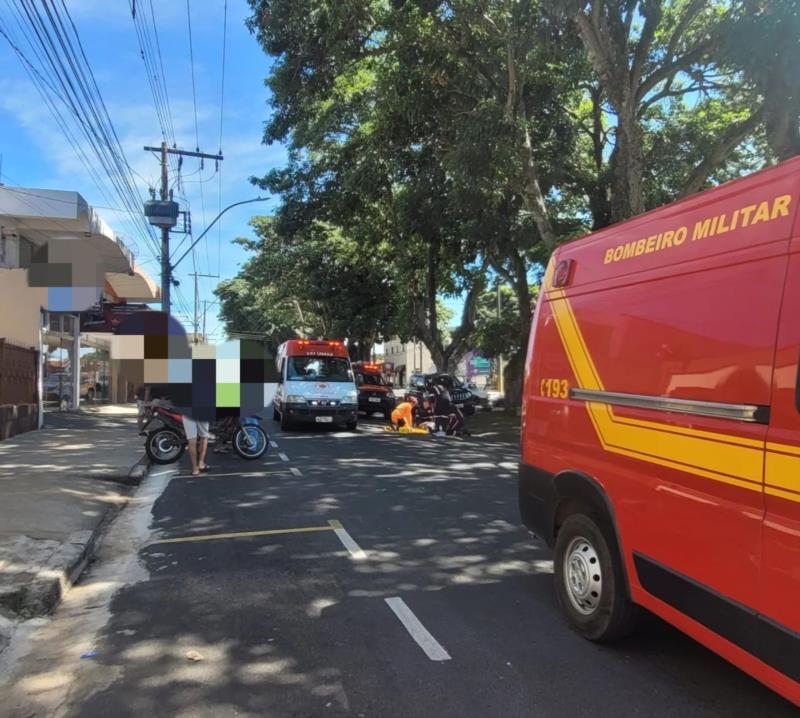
column 433, row 649
column 283, row 457
column 296, row 471
column 347, row 540
column 273, row 444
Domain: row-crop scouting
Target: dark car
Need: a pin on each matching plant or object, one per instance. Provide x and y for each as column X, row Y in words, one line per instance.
column 462, row 397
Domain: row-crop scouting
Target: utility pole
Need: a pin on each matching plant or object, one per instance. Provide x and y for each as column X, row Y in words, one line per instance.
column 197, row 303
column 500, row 380
column 165, row 215
column 166, row 274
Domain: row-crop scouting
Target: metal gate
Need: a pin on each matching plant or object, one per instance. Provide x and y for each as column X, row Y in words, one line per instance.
column 19, row 402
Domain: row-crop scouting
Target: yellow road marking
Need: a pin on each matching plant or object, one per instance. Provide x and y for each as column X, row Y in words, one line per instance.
column 248, row 534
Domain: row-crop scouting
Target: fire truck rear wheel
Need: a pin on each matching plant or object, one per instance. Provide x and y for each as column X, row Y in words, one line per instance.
column 589, row 578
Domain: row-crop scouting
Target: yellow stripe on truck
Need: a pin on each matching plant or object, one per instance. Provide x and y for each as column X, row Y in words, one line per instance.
column 722, row 457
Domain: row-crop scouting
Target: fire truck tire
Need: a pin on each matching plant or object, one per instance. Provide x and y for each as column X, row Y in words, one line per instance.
column 275, row 415
column 589, row 578
column 286, row 423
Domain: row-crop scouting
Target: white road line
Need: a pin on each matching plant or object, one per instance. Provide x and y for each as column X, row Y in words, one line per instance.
column 273, row 444
column 296, row 471
column 164, row 473
column 433, row 649
column 283, row 457
column 347, row 540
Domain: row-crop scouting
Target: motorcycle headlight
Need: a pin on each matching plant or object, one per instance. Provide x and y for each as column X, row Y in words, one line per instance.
column 295, row 399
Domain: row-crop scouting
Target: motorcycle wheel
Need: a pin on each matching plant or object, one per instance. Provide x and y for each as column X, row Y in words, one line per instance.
column 164, row 446
column 250, row 442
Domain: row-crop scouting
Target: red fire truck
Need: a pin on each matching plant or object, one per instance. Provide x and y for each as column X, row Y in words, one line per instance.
column 661, row 423
column 374, row 389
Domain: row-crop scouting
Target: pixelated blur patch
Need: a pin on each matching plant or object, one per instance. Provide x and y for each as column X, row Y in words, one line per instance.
column 204, row 351
column 178, row 347
column 252, row 370
column 127, row 347
column 49, row 275
column 70, row 271
column 252, row 397
column 251, row 349
column 156, row 346
column 179, row 370
column 228, row 395
column 228, row 371
column 156, row 371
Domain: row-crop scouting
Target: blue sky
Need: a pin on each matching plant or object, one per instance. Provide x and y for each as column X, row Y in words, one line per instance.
column 35, row 153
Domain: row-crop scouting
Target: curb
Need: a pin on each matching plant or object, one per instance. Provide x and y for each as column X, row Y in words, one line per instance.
column 40, row 597
column 138, row 471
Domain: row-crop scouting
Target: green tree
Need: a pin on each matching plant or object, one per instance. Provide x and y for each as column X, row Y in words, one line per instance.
column 465, row 137
column 311, row 284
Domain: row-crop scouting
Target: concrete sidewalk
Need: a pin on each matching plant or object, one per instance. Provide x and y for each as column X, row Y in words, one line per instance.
column 58, row 486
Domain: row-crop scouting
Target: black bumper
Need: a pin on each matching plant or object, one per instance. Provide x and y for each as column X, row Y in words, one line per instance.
column 384, row 406
column 304, row 414
column 537, row 501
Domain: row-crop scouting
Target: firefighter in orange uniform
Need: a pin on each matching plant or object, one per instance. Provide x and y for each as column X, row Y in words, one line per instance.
column 403, row 414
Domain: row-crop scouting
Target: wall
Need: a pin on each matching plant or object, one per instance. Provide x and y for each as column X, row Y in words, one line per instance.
column 20, row 306
column 406, row 358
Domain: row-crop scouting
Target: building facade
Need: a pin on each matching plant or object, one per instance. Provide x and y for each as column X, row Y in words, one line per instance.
column 50, row 356
column 407, row 357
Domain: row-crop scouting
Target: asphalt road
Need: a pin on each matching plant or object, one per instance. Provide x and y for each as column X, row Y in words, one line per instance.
column 297, row 622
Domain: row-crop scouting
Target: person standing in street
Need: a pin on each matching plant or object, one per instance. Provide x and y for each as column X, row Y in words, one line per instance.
column 197, row 437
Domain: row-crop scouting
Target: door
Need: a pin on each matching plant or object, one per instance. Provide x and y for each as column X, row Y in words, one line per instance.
column 780, row 584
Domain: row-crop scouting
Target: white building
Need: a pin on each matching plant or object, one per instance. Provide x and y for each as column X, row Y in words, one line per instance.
column 407, row 357
column 43, row 353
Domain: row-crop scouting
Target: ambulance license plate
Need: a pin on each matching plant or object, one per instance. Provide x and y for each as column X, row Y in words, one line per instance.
column 375, row 399
column 324, row 420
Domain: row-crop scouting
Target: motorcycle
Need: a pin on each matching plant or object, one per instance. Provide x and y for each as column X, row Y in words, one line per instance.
column 166, row 442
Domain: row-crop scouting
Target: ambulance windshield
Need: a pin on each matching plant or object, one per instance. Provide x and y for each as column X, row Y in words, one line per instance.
column 311, row 368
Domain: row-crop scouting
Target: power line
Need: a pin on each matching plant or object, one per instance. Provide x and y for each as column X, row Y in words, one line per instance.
column 156, row 77
column 196, row 126
column 54, row 49
column 221, row 116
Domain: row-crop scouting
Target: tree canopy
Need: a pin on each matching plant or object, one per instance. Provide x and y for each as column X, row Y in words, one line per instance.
column 437, row 147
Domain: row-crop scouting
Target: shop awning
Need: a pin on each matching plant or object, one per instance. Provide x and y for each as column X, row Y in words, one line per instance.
column 44, row 215
column 134, row 287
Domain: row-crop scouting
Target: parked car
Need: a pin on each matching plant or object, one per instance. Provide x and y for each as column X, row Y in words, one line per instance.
column 487, row 399
column 462, row 397
column 58, row 386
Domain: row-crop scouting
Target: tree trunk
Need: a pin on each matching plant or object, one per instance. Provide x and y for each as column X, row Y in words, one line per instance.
column 532, row 194
column 781, row 124
column 627, row 165
column 598, row 197
column 513, row 377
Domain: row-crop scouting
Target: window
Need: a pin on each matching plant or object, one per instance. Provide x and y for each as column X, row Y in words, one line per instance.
column 311, row 368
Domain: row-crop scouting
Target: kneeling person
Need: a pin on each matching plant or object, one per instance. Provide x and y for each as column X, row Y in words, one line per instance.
column 403, row 414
